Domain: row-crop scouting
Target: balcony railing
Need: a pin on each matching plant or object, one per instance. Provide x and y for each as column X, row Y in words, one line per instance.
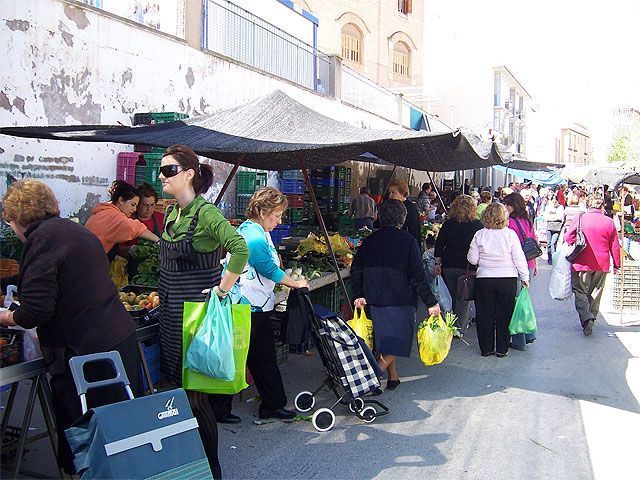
column 361, row 92
column 238, row 34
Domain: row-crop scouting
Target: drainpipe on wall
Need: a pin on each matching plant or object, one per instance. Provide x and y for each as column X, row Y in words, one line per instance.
column 335, row 76
column 400, row 96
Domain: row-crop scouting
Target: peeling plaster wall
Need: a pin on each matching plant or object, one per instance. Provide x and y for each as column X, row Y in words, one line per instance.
column 71, row 65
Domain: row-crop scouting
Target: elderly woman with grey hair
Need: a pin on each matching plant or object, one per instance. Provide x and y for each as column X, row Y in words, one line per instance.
column 388, row 276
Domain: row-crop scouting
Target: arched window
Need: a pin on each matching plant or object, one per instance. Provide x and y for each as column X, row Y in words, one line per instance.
column 351, row 43
column 401, row 58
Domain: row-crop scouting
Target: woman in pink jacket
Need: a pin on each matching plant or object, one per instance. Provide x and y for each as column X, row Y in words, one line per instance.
column 520, row 222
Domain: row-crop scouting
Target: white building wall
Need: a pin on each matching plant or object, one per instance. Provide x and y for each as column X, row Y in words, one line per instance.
column 71, row 65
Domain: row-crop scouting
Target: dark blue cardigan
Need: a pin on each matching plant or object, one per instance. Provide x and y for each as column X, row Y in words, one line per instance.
column 387, row 270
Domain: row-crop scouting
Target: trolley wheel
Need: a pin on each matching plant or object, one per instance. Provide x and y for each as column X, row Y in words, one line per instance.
column 356, row 405
column 323, row 419
column 368, row 414
column 304, row 401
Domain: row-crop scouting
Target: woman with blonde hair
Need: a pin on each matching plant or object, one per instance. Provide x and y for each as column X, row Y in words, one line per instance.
column 256, row 287
column 451, row 250
column 67, row 295
column 497, row 252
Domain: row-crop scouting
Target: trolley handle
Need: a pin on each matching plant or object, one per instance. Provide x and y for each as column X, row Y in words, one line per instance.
column 76, row 364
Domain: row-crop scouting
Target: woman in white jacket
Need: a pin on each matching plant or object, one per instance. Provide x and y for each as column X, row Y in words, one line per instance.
column 498, row 254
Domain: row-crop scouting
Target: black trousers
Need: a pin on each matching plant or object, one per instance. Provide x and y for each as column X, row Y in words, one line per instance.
column 66, row 403
column 495, row 300
column 261, row 361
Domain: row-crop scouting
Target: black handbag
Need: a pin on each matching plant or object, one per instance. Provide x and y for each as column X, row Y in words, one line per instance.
column 530, row 247
column 466, row 286
column 580, row 244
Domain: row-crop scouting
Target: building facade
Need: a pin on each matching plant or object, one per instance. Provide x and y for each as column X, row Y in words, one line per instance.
column 382, row 39
column 574, row 146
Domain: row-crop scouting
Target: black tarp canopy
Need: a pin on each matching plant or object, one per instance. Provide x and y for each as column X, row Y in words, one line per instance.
column 276, row 132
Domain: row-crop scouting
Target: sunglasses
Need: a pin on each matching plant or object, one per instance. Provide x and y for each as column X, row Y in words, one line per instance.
column 170, row 170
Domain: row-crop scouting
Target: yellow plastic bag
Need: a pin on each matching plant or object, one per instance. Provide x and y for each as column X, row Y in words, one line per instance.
column 118, row 272
column 434, row 340
column 362, row 326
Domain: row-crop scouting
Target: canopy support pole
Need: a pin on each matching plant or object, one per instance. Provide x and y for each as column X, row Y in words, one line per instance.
column 229, row 178
column 622, row 254
column 323, row 227
column 437, row 192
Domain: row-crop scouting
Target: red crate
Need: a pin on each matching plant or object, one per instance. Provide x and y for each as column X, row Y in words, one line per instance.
column 295, row 201
column 126, row 166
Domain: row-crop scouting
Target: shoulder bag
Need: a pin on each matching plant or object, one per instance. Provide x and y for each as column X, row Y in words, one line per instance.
column 466, row 286
column 530, row 246
column 579, row 245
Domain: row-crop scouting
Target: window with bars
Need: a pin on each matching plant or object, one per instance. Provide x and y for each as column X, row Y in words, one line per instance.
column 404, row 6
column 351, row 43
column 401, row 56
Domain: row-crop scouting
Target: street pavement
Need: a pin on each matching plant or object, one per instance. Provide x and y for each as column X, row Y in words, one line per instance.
column 567, row 408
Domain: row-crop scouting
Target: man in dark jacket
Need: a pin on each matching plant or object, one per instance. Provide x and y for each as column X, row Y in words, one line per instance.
column 399, row 190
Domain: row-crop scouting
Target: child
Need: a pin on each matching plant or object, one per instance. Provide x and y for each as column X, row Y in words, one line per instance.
column 429, row 262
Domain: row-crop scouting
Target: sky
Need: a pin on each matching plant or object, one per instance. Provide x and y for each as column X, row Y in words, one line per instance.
column 578, row 59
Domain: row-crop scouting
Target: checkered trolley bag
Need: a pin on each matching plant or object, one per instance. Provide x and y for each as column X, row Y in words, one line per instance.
column 350, row 368
column 153, row 437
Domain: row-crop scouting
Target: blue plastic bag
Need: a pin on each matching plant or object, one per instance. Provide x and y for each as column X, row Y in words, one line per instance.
column 523, row 319
column 211, row 350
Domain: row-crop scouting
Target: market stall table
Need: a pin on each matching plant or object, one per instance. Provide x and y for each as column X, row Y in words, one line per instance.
column 35, row 371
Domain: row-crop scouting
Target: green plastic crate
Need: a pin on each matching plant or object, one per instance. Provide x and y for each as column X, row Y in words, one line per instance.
column 164, row 117
column 296, row 215
column 153, row 166
column 246, row 182
column 325, row 296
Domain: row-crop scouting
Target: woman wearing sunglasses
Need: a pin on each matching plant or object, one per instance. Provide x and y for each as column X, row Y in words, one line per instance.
column 111, row 221
column 191, row 243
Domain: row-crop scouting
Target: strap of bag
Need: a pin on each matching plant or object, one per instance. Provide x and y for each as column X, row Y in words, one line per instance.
column 522, row 235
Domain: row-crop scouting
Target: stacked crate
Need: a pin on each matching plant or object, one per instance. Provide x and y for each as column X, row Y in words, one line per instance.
column 126, row 166
column 247, row 182
column 331, row 186
column 155, row 153
column 626, row 294
column 292, row 184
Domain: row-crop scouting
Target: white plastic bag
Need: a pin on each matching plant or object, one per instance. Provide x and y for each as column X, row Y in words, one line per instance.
column 31, row 345
column 560, row 279
column 444, row 297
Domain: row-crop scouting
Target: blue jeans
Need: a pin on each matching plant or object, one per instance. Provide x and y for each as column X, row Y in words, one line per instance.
column 364, row 222
column 552, row 243
column 519, row 341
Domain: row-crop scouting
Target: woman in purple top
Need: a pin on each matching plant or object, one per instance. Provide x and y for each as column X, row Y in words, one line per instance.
column 520, row 222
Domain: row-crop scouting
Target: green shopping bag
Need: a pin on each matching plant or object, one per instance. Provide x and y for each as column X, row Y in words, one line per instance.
column 193, row 316
column 523, row 319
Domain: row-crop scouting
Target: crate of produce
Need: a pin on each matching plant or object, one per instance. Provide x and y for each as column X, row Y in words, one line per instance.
column 282, row 352
column 261, row 180
column 280, row 232
column 8, row 267
column 242, row 202
column 163, row 203
column 295, row 201
column 295, row 187
column 165, row 117
column 141, row 301
column 11, row 346
column 126, row 166
column 292, row 175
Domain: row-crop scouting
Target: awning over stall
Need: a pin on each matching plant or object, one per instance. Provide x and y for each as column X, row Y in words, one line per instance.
column 276, row 132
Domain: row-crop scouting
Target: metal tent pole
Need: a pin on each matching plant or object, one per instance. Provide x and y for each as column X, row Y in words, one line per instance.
column 622, row 255
column 437, row 192
column 323, row 226
column 229, row 178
